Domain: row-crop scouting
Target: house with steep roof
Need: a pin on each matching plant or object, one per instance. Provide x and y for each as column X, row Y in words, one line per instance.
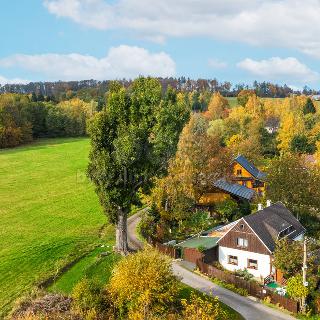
column 250, row 242
column 246, row 174
column 245, row 183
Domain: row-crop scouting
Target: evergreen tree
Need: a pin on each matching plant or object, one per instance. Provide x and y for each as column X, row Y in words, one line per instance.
column 309, row 107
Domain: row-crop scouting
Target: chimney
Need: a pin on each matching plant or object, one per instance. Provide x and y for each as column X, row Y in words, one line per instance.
column 269, row 203
column 260, row 206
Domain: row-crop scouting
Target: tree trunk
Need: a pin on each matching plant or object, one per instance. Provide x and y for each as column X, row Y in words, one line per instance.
column 121, row 233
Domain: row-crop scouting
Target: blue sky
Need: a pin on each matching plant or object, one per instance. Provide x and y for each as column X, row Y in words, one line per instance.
column 233, row 40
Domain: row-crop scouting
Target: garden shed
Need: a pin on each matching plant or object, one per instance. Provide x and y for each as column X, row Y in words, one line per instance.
column 204, row 248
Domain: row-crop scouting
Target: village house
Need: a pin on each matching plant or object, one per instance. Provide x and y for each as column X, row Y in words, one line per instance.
column 247, row 243
column 250, row 243
column 246, row 182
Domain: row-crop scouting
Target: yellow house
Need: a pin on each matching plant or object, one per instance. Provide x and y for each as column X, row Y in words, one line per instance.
column 246, row 182
column 246, row 174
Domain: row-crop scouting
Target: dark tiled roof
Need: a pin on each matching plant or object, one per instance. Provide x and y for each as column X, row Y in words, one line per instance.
column 270, row 221
column 250, row 167
column 235, row 189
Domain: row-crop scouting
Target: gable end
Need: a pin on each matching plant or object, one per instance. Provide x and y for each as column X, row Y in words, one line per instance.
column 244, row 231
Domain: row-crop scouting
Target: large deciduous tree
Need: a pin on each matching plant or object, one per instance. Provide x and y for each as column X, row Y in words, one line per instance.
column 131, row 142
column 290, row 181
column 217, row 107
column 288, row 257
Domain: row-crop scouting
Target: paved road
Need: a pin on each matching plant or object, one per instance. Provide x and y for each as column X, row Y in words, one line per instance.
column 133, row 241
column 249, row 309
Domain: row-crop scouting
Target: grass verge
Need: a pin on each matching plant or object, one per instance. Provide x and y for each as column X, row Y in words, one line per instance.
column 186, row 292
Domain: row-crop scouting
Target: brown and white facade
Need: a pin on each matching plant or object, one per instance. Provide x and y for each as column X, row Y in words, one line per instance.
column 250, row 243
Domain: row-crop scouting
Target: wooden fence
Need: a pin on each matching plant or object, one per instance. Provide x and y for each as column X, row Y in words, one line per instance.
column 253, row 288
column 168, row 250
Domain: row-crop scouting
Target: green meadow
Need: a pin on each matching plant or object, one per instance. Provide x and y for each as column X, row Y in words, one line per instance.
column 49, row 214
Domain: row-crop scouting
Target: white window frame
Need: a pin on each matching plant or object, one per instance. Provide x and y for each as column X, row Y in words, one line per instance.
column 253, row 267
column 229, row 262
column 243, row 243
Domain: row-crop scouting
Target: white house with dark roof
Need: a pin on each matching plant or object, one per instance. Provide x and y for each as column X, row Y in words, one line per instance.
column 250, row 243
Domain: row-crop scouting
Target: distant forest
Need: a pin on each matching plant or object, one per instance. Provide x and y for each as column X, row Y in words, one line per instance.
column 93, row 89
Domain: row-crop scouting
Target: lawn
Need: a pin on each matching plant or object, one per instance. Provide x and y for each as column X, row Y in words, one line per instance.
column 49, row 213
column 93, row 266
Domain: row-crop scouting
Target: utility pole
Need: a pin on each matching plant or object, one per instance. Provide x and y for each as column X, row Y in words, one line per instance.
column 304, row 270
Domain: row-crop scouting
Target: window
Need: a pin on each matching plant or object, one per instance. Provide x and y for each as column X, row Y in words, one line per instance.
column 241, row 226
column 285, row 232
column 233, row 260
column 239, row 172
column 252, row 264
column 242, row 242
column 257, row 184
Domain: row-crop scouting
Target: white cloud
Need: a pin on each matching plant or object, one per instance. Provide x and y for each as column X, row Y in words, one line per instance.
column 217, row 64
column 4, row 80
column 120, row 62
column 277, row 23
column 279, row 69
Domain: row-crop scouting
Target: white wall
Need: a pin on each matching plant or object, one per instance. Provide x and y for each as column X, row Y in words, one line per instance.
column 243, row 256
column 299, row 238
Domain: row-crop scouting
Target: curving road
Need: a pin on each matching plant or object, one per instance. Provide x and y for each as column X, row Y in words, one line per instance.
column 248, row 308
column 133, row 241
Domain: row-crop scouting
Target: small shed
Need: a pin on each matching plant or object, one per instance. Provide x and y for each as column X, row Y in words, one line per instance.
column 205, row 248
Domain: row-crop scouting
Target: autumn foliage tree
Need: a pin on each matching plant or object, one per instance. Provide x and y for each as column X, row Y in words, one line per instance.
column 143, row 284
column 290, row 182
column 288, row 257
column 217, row 108
column 199, row 160
column 243, row 96
column 296, row 289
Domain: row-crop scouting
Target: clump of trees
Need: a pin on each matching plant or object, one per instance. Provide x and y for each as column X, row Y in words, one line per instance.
column 22, row 119
column 276, row 133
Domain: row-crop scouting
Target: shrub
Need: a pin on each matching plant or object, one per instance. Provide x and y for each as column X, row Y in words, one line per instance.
column 228, row 209
column 231, row 287
column 49, row 306
column 142, row 282
column 204, row 308
column 245, row 274
column 296, row 289
column 88, row 298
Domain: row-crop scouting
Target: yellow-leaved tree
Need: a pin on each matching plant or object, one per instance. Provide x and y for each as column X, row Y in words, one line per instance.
column 254, row 106
column 217, row 108
column 291, row 125
column 143, row 284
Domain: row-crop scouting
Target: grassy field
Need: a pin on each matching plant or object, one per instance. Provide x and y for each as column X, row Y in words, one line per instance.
column 93, row 266
column 49, row 213
column 233, row 102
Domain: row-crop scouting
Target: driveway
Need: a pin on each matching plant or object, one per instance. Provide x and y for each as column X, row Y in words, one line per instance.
column 249, row 309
